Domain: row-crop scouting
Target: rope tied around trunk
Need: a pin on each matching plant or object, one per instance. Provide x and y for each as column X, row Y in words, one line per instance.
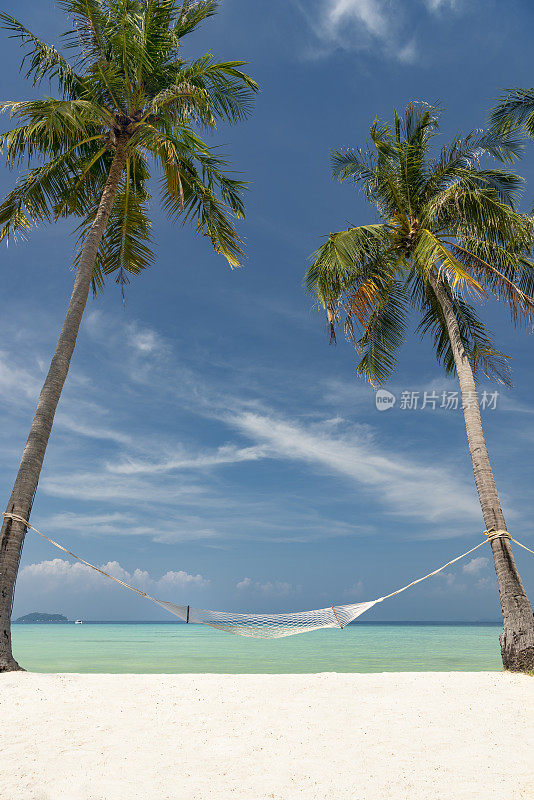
column 492, row 534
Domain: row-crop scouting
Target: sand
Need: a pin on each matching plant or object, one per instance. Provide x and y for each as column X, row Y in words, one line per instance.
column 389, row 736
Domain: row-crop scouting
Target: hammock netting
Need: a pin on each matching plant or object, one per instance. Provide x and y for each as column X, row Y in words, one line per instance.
column 270, row 626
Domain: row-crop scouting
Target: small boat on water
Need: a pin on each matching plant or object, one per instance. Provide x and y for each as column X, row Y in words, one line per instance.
column 78, row 621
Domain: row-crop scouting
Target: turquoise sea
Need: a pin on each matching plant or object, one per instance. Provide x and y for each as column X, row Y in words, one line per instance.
column 171, row 648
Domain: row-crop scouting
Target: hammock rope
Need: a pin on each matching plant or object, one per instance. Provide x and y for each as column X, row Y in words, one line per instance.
column 271, row 626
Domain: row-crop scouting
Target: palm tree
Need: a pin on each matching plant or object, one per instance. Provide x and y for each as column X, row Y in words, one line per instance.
column 447, row 231
column 126, row 98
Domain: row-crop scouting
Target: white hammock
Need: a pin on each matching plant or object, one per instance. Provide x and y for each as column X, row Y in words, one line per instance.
column 270, row 626
column 273, row 626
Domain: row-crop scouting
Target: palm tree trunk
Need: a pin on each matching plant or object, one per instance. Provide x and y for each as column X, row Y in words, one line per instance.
column 517, row 638
column 20, row 502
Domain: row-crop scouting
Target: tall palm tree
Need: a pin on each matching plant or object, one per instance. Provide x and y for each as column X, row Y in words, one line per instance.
column 447, row 231
column 126, row 97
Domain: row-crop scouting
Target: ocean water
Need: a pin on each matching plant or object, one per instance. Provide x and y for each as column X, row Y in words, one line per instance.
column 175, row 648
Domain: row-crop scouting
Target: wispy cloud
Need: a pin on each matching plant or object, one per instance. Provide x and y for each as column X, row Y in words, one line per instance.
column 367, row 26
column 98, row 485
column 20, row 387
column 154, row 509
column 410, row 488
column 477, row 568
column 476, row 565
column 405, row 487
column 470, row 578
column 355, row 25
column 16, row 382
column 139, row 520
column 270, row 588
column 355, row 591
column 226, row 454
column 443, row 5
column 169, row 487
column 145, row 340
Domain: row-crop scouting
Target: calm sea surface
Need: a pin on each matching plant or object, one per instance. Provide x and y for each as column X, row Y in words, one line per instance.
column 146, row 647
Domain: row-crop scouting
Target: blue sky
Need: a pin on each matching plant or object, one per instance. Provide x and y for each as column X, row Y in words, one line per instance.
column 210, row 447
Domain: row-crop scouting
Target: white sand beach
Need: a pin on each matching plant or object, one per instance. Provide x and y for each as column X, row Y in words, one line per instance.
column 389, row 736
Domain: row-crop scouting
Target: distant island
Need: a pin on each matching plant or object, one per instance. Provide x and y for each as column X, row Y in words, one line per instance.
column 40, row 617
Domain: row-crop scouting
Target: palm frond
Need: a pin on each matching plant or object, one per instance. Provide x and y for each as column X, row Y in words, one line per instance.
column 352, row 164
column 40, row 193
column 187, row 99
column 88, row 37
column 42, row 60
column 200, row 204
column 514, row 110
column 464, row 207
column 384, row 334
column 195, row 188
column 431, row 254
column 126, row 245
column 476, row 339
column 192, row 13
column 343, row 258
column 519, row 304
column 50, row 127
column 230, row 90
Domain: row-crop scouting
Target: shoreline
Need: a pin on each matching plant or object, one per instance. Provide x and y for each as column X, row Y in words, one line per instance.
column 344, row 736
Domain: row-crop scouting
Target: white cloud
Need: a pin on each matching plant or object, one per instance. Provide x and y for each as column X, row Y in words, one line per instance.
column 407, row 53
column 476, row 565
column 145, row 340
column 410, row 488
column 353, row 25
column 57, row 569
column 367, row 25
column 163, row 529
column 17, row 383
column 101, row 487
column 226, row 454
column 74, row 424
column 372, row 14
column 182, row 580
column 218, row 519
column 475, row 580
column 439, row 5
column 49, row 575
